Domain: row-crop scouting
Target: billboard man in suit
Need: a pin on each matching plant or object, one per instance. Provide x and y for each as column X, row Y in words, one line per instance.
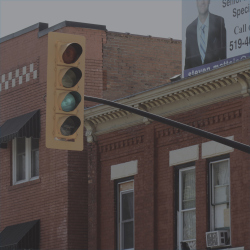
column 205, row 38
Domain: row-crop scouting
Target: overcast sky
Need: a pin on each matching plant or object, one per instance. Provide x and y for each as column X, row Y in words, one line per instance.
column 155, row 18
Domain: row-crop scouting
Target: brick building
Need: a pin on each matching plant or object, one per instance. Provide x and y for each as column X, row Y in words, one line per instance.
column 158, row 187
column 50, row 199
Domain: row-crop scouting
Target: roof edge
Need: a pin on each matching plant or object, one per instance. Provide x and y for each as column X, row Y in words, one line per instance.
column 117, row 33
column 71, row 24
column 44, row 29
column 39, row 26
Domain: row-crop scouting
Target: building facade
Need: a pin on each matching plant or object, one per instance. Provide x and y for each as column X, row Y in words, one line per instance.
column 158, row 187
column 50, row 198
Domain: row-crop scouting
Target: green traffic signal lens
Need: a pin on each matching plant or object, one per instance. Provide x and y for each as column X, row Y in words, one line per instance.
column 71, row 77
column 68, row 103
column 71, row 101
column 70, row 125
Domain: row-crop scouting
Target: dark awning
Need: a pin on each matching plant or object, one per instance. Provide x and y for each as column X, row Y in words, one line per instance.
column 21, row 126
column 21, row 236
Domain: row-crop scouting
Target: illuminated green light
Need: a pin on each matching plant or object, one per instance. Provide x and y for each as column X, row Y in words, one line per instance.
column 68, row 103
column 71, row 101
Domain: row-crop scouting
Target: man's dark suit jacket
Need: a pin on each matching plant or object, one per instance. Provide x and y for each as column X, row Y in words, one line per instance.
column 216, row 43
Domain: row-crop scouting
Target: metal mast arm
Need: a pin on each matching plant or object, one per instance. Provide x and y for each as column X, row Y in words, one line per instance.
column 196, row 131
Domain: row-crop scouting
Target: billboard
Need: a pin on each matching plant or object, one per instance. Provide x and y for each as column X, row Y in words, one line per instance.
column 215, row 33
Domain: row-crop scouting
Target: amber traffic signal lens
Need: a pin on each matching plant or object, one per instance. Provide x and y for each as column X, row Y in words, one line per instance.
column 71, row 77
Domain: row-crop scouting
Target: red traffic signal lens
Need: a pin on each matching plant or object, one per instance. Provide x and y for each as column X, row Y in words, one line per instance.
column 72, row 53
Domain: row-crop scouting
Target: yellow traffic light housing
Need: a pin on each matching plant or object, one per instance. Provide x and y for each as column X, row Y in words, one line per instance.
column 65, row 91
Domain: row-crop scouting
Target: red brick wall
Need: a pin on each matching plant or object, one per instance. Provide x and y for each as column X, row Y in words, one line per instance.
column 134, row 63
column 93, row 197
column 154, row 184
column 59, row 197
column 129, row 150
column 46, row 198
column 77, row 200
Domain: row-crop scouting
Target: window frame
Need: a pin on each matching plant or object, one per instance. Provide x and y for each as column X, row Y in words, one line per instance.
column 180, row 210
column 211, row 196
column 118, row 196
column 27, row 166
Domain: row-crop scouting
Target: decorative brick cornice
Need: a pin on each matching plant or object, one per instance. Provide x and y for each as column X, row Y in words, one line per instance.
column 109, row 116
column 201, row 123
column 181, row 96
column 121, row 144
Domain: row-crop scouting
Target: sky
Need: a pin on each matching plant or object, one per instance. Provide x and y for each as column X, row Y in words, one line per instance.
column 143, row 17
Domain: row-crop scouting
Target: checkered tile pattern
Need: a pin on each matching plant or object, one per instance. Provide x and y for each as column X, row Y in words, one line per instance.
column 17, row 77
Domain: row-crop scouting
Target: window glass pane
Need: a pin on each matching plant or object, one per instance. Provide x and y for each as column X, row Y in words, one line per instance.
column 34, row 143
column 221, row 181
column 20, row 143
column 127, row 206
column 20, row 171
column 189, row 225
column 20, row 159
column 127, row 186
column 221, row 194
column 188, row 189
column 34, row 157
column 221, row 173
column 128, row 235
column 221, row 216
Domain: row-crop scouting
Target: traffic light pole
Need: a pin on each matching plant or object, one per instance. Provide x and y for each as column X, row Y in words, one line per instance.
column 196, row 131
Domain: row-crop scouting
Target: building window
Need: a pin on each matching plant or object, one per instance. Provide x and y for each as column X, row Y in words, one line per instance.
column 187, row 209
column 125, row 213
column 220, row 197
column 25, row 156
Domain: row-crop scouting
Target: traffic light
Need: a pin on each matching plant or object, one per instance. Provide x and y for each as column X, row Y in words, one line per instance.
column 65, row 91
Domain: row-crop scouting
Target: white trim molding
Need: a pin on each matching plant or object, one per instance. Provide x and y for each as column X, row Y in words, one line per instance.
column 212, row 148
column 124, row 170
column 183, row 155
